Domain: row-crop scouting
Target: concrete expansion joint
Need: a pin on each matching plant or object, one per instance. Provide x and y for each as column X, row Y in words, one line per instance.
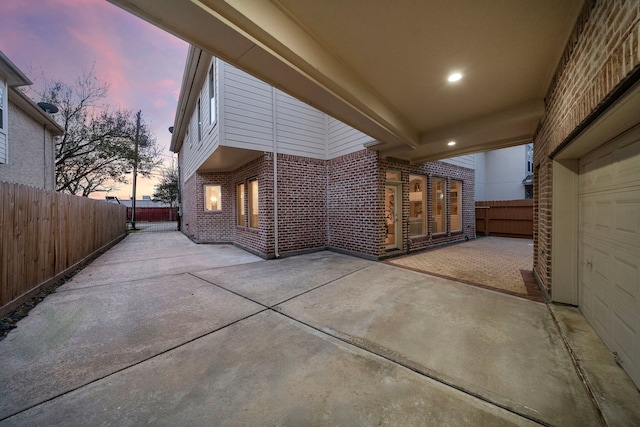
column 380, row 354
column 576, row 364
column 124, row 368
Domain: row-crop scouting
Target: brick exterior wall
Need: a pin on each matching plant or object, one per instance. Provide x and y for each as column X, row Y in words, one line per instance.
column 602, row 54
column 355, row 215
column 302, row 203
column 337, row 204
column 31, row 159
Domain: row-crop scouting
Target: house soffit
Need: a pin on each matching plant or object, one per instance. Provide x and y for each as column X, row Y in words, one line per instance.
column 381, row 66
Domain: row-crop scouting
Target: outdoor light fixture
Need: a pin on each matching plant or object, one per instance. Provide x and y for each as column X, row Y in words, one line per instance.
column 451, row 143
column 454, row 77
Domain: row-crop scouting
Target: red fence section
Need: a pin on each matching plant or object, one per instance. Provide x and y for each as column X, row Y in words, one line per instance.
column 509, row 218
column 154, row 214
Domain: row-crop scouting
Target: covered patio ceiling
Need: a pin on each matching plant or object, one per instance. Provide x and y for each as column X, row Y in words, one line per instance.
column 382, row 66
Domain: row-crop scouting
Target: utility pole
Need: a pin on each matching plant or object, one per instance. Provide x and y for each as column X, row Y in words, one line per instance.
column 135, row 171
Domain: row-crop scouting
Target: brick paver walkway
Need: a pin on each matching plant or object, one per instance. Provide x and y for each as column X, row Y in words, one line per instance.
column 494, row 262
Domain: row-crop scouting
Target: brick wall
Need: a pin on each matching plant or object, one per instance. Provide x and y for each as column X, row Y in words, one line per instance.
column 257, row 240
column 355, row 215
column 208, row 226
column 302, row 203
column 337, row 204
column 601, row 55
column 30, row 159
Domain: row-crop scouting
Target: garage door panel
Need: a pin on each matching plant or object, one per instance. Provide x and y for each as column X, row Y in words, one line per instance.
column 625, row 343
column 600, row 264
column 609, row 247
column 601, row 318
column 627, row 278
column 626, row 214
column 603, row 217
column 627, row 166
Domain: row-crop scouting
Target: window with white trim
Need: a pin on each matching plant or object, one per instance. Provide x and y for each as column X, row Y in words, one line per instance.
column 240, row 204
column 212, row 197
column 212, row 93
column 199, row 122
column 455, row 196
column 439, row 205
column 3, row 122
column 417, row 205
column 253, row 203
column 3, row 107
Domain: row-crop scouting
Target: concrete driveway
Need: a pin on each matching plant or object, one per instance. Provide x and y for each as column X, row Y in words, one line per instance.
column 161, row 331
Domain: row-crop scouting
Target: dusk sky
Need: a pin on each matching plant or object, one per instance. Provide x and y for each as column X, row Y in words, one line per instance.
column 59, row 39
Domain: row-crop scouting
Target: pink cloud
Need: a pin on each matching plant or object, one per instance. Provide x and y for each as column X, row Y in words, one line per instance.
column 59, row 39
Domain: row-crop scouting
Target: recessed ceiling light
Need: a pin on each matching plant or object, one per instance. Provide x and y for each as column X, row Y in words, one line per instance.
column 454, row 77
column 451, row 143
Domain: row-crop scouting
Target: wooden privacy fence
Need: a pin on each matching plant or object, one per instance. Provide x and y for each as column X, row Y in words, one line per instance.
column 509, row 218
column 45, row 234
column 154, row 214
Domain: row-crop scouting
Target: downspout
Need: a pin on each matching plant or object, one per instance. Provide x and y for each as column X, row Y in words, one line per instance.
column 276, row 252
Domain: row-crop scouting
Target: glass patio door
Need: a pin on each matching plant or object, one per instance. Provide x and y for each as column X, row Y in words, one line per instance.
column 391, row 217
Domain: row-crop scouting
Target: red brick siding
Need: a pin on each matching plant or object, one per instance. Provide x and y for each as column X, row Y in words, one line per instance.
column 302, row 203
column 258, row 240
column 355, row 215
column 209, row 226
column 601, row 54
column 337, row 204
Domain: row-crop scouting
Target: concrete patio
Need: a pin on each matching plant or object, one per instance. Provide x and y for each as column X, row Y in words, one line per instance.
column 162, row 331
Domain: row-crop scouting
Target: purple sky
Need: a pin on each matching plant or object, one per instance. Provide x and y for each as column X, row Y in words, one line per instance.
column 61, row 38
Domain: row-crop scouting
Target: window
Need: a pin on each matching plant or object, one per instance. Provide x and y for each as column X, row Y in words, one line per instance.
column 212, row 94
column 529, row 158
column 438, row 224
column 240, row 204
column 417, row 205
column 199, row 122
column 456, row 205
column 3, row 122
column 2, row 107
column 253, row 203
column 212, row 198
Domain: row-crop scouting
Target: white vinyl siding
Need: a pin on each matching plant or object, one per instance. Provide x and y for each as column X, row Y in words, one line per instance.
column 195, row 152
column 467, row 161
column 343, row 139
column 301, row 129
column 247, row 111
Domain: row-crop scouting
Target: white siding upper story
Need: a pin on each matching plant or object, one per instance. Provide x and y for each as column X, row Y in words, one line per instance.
column 247, row 110
column 467, row 161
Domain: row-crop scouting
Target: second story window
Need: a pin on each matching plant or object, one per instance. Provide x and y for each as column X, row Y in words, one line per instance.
column 212, row 94
column 2, row 107
column 199, row 122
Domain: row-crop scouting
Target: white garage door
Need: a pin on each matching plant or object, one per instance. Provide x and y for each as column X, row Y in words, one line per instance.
column 609, row 247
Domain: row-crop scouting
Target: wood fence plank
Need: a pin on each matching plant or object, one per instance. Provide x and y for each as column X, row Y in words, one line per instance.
column 505, row 217
column 45, row 233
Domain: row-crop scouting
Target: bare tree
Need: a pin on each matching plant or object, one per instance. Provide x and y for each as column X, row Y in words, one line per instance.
column 167, row 189
column 97, row 149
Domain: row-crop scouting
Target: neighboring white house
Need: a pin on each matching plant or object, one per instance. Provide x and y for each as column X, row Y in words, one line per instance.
column 504, row 174
column 26, row 133
column 269, row 173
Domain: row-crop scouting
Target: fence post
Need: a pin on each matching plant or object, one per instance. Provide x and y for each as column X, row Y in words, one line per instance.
column 486, row 221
